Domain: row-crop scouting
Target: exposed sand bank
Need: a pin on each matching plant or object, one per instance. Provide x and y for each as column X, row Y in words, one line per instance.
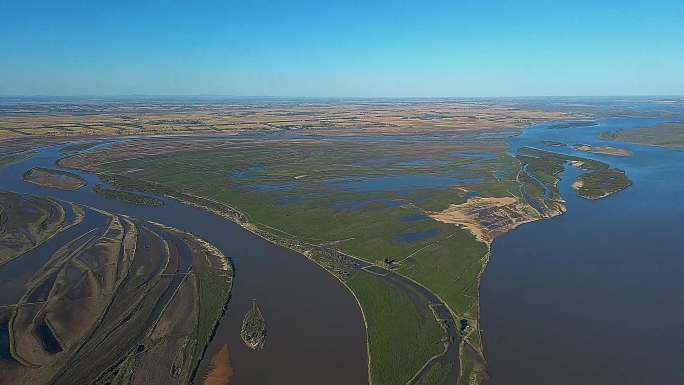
column 486, row 218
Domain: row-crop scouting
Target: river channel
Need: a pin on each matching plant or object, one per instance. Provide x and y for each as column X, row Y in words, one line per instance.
column 596, row 295
column 316, row 333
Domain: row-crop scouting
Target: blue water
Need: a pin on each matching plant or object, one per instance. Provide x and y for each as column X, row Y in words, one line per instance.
column 405, row 183
column 361, row 203
column 424, row 162
column 593, row 296
column 416, row 236
column 270, row 187
column 414, row 218
column 246, row 172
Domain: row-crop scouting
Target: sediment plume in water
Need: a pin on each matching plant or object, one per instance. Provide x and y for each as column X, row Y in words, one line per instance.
column 220, row 370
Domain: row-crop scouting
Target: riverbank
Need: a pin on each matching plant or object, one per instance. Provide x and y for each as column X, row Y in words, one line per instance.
column 342, row 266
column 556, row 293
column 368, row 222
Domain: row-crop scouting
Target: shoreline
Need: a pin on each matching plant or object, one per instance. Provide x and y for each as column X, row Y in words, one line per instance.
column 305, row 249
column 309, row 251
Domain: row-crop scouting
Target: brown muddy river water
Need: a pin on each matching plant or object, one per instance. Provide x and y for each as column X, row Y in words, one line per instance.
column 315, row 328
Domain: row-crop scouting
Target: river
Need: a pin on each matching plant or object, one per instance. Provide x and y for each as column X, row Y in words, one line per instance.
column 316, row 333
column 594, row 296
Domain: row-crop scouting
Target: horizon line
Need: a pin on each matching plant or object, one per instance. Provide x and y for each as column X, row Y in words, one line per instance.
column 228, row 96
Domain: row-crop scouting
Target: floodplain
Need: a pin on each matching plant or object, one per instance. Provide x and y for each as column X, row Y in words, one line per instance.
column 401, row 208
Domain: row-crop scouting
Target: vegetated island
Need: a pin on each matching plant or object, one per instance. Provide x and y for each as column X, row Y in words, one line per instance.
column 597, row 181
column 60, row 179
column 604, row 150
column 572, row 124
column 127, row 196
column 601, row 183
column 552, row 143
column 664, row 134
column 253, row 331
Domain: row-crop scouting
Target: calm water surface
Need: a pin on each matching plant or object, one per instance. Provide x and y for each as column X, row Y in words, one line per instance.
column 595, row 296
column 315, row 329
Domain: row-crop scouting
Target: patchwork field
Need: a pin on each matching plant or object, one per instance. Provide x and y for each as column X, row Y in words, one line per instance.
column 98, row 118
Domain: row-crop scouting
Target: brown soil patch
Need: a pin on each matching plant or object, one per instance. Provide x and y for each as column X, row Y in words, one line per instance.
column 486, row 218
column 578, row 184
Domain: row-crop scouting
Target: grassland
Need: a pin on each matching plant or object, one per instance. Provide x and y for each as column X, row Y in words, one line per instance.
column 349, row 195
column 127, row 196
column 437, row 375
column 402, row 336
column 376, row 198
column 601, row 183
column 665, row 134
column 363, row 178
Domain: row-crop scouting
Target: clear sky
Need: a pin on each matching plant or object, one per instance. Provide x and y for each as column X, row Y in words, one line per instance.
column 342, row 48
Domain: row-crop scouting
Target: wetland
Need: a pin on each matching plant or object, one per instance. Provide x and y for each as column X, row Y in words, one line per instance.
column 380, row 242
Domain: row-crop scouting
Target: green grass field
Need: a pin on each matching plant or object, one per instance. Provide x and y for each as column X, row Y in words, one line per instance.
column 127, row 196
column 665, row 134
column 354, row 195
column 401, row 335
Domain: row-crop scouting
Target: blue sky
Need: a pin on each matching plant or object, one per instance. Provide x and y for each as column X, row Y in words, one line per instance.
column 342, row 48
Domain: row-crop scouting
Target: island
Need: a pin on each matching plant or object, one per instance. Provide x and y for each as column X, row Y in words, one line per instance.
column 60, row 179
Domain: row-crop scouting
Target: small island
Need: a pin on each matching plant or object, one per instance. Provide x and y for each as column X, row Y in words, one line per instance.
column 601, row 183
column 63, row 180
column 604, row 150
column 253, row 330
column 572, row 124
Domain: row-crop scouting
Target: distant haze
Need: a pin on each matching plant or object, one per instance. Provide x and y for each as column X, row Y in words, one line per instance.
column 342, row 48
